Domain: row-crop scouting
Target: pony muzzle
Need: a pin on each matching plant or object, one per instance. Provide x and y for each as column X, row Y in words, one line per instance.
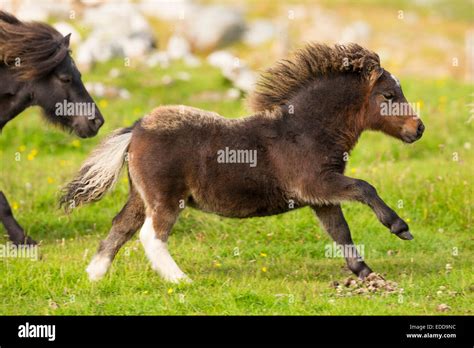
column 413, row 132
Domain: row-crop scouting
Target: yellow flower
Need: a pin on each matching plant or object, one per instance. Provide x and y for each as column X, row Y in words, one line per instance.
column 15, row 206
column 170, row 291
column 217, row 264
column 50, row 180
column 22, row 148
column 264, row 269
column 353, row 170
column 103, row 103
column 263, row 255
column 408, row 219
column 76, row 143
column 31, row 156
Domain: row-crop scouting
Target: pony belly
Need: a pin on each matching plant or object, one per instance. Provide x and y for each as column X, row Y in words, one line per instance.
column 241, row 204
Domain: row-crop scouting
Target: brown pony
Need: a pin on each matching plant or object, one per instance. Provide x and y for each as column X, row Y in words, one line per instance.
column 309, row 113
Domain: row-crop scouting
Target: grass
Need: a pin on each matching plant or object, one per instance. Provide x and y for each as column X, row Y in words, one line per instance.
column 272, row 265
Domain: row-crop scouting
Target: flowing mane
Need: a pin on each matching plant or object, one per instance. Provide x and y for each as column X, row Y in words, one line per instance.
column 278, row 84
column 31, row 50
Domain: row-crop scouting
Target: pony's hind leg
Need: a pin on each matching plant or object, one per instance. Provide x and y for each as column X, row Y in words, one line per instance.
column 124, row 226
column 154, row 235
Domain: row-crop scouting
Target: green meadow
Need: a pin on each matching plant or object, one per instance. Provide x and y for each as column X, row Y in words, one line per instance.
column 275, row 265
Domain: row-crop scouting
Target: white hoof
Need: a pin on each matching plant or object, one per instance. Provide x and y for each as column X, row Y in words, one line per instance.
column 178, row 279
column 160, row 258
column 98, row 267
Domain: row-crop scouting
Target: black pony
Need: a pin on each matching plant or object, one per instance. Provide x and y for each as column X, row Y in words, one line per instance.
column 36, row 69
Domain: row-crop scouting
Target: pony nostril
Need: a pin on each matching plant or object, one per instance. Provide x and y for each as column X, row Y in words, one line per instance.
column 421, row 128
column 98, row 122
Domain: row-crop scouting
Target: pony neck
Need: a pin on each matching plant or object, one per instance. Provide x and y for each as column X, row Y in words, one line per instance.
column 15, row 96
column 331, row 111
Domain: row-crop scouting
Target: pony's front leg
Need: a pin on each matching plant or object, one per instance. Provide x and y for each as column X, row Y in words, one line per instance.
column 15, row 231
column 335, row 224
column 340, row 188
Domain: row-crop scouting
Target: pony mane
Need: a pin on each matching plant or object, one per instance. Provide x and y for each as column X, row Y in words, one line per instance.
column 30, row 50
column 278, row 84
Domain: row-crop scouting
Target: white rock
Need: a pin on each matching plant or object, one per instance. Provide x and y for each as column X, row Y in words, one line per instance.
column 168, row 10
column 259, row 32
column 183, row 76
column 114, row 73
column 178, row 47
column 95, row 88
column 221, row 59
column 192, row 61
column 33, row 10
column 244, row 79
column 160, row 58
column 98, row 89
column 233, row 93
column 118, row 30
column 233, row 69
column 214, row 26
column 124, row 94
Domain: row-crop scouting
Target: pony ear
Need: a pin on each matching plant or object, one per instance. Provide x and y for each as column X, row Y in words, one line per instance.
column 66, row 40
column 374, row 75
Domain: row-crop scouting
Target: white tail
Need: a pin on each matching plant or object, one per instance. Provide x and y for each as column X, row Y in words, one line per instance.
column 100, row 171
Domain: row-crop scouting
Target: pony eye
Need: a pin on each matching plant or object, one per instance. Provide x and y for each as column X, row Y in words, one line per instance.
column 65, row 78
column 388, row 96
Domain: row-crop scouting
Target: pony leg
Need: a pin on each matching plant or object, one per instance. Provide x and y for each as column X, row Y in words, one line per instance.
column 335, row 224
column 154, row 236
column 15, row 231
column 124, row 226
column 345, row 188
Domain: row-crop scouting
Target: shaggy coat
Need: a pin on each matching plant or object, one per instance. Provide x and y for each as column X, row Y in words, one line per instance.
column 309, row 113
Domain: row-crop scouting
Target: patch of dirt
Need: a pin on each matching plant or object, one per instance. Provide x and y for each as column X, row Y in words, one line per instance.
column 374, row 283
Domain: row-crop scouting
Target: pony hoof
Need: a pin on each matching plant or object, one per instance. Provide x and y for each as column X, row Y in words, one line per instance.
column 364, row 273
column 406, row 235
column 182, row 279
column 98, row 268
column 25, row 242
column 400, row 228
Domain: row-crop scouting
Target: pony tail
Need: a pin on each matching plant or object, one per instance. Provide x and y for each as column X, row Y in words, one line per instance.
column 99, row 172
